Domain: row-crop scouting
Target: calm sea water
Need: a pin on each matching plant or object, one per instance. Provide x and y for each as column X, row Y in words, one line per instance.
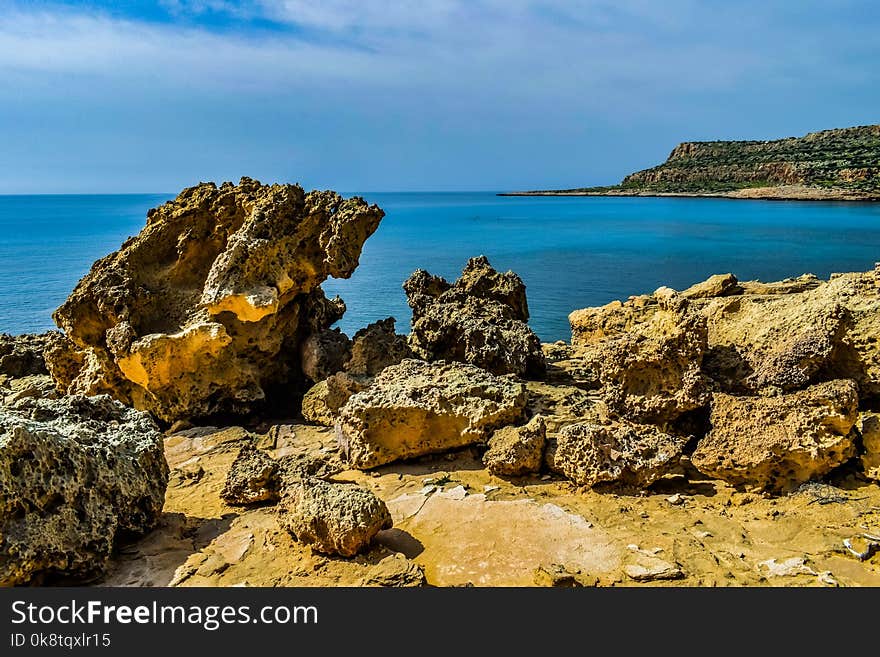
column 571, row 252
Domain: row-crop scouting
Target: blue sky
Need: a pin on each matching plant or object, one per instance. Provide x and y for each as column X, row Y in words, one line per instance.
column 366, row 95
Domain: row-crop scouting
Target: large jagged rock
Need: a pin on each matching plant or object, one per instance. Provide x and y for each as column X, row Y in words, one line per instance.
column 376, row 347
column 339, row 519
column 207, row 308
column 73, row 473
column 648, row 351
column 480, row 319
column 515, row 451
column 778, row 443
column 614, row 451
column 325, row 353
column 416, row 408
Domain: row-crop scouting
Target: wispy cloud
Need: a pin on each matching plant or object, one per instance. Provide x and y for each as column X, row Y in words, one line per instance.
column 525, row 85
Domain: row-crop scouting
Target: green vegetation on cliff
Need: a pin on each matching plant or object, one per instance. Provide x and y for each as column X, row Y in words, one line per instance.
column 844, row 161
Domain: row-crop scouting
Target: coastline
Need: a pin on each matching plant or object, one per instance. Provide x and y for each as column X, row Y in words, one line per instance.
column 780, row 193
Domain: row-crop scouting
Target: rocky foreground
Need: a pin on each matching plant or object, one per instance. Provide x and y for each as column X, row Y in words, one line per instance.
column 198, row 422
column 839, row 165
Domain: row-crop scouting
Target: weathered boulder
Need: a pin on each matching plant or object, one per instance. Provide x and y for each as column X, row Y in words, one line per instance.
column 207, row 308
column 778, row 443
column 252, row 478
column 22, row 355
column 649, row 355
column 515, row 451
column 324, row 353
column 480, row 319
column 376, row 347
column 322, row 402
column 416, row 408
column 73, row 473
column 782, row 341
column 869, row 428
column 615, row 451
column 339, row 519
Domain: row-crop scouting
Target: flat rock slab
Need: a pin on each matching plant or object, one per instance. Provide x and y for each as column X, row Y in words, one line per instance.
column 500, row 543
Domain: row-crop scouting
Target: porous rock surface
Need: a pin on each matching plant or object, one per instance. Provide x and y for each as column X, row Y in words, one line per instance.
column 74, row 472
column 649, row 353
column 416, row 408
column 334, row 518
column 515, row 451
column 479, row 319
column 777, row 443
column 253, row 477
column 208, row 306
column 322, row 402
column 606, row 450
column 22, row 355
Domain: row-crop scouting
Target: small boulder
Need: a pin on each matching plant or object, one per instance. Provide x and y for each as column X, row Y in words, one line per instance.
column 778, row 443
column 253, row 478
column 614, row 451
column 74, row 472
column 336, row 519
column 515, row 451
column 417, row 408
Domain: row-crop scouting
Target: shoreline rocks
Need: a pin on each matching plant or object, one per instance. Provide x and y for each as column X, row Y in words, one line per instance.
column 206, row 309
column 778, row 443
column 417, row 408
column 336, row 519
column 74, row 473
column 480, row 319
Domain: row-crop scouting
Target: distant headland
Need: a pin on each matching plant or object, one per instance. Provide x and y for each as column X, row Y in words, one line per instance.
column 840, row 165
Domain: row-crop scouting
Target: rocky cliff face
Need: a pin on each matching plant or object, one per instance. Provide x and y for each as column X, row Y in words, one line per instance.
column 206, row 309
column 847, row 159
column 840, row 164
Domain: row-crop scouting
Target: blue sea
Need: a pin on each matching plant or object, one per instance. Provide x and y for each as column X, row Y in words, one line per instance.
column 572, row 252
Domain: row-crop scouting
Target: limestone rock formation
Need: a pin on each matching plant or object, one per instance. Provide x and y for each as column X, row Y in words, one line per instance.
column 208, row 307
column 772, row 340
column 615, row 451
column 73, row 473
column 515, row 451
column 333, row 518
column 376, row 347
column 480, row 319
column 417, row 408
column 650, row 351
column 324, row 353
column 869, row 428
column 718, row 285
column 778, row 443
column 253, row 477
column 22, row 355
column 322, row 402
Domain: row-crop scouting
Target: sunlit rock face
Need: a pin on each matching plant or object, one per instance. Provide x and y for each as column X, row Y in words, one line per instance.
column 207, row 307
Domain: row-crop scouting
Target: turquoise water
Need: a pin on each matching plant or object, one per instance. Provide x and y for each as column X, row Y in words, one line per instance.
column 571, row 252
